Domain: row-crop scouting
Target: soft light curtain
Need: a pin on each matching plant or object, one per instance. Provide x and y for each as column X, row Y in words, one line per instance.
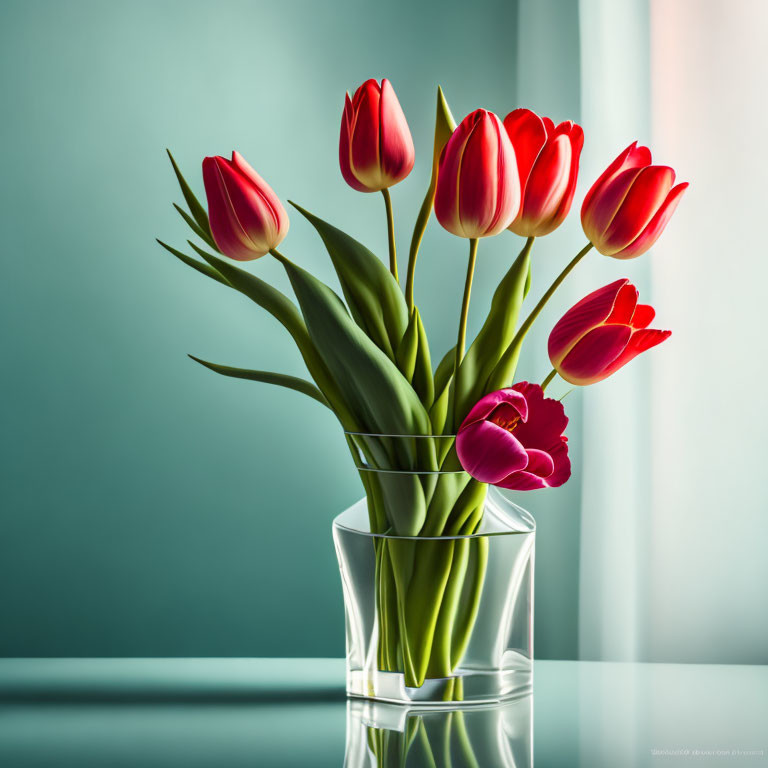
column 674, row 514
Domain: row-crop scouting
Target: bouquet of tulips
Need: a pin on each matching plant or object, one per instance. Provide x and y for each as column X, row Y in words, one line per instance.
column 368, row 352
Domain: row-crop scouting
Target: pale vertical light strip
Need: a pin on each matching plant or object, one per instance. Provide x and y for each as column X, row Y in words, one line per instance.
column 548, row 83
column 615, row 103
column 708, row 572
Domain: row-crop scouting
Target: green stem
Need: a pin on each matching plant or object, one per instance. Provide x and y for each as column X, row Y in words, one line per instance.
column 462, row 339
column 465, row 620
column 546, row 382
column 418, row 233
column 526, row 326
column 505, row 368
column 390, row 233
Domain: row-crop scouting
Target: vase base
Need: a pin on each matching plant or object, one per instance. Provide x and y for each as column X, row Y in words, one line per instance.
column 467, row 686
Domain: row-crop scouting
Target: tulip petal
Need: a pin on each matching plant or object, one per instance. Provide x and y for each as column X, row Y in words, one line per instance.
column 539, row 462
column 549, row 125
column 597, row 219
column 576, row 136
column 642, row 201
column 548, row 181
column 251, row 206
column 397, row 151
column 365, row 135
column 508, row 197
column 488, row 452
column 655, row 227
column 528, row 134
column 588, row 360
column 488, row 403
column 639, row 342
column 229, row 235
column 261, row 186
column 623, row 306
column 632, row 157
column 590, row 312
column 345, row 150
column 643, row 316
column 447, row 190
column 477, row 181
column 546, row 419
column 534, row 476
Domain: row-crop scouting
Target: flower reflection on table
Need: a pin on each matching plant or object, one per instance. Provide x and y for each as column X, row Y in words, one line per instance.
column 492, row 736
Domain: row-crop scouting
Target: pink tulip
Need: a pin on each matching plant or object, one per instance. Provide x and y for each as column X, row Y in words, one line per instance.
column 247, row 218
column 375, row 145
column 514, row 438
column 478, row 187
column 548, row 164
column 602, row 333
column 627, row 208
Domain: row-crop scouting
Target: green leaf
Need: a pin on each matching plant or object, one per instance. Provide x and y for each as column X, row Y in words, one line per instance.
column 373, row 295
column 493, row 338
column 444, row 370
column 412, row 358
column 444, row 127
column 267, row 377
column 203, row 268
column 405, row 356
column 373, row 388
column 198, row 212
column 192, row 224
column 422, row 380
column 285, row 311
column 443, row 378
column 276, row 303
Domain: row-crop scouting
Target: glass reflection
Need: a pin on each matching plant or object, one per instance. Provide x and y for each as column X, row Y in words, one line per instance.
column 498, row 736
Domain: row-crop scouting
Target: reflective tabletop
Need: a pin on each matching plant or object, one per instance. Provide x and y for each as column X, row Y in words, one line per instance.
column 292, row 712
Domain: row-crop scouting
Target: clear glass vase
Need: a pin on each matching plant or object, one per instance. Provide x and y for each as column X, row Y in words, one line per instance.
column 496, row 736
column 437, row 573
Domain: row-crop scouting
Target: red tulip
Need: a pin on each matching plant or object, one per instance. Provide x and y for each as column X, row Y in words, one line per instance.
column 478, row 188
column 514, row 438
column 375, row 146
column 246, row 216
column 601, row 333
column 630, row 204
column 548, row 164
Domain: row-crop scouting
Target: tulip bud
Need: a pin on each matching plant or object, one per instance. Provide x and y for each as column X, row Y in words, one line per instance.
column 627, row 208
column 375, row 145
column 478, row 188
column 602, row 333
column 514, row 438
column 548, row 165
column 247, row 218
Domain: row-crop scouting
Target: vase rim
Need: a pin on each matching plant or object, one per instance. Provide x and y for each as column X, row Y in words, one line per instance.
column 503, row 518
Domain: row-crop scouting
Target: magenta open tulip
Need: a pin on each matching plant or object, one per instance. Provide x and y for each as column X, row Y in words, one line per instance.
column 478, row 187
column 514, row 438
column 375, row 144
column 627, row 208
column 602, row 333
column 548, row 164
column 247, row 218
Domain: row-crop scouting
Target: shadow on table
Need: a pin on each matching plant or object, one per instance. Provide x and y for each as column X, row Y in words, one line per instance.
column 150, row 681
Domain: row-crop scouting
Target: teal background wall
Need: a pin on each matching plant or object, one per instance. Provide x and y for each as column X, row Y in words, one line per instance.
column 150, row 507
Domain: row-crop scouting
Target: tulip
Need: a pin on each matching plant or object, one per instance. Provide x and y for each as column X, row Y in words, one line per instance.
column 627, row 208
column 548, row 164
column 247, row 218
column 602, row 333
column 375, row 145
column 514, row 438
column 478, row 187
